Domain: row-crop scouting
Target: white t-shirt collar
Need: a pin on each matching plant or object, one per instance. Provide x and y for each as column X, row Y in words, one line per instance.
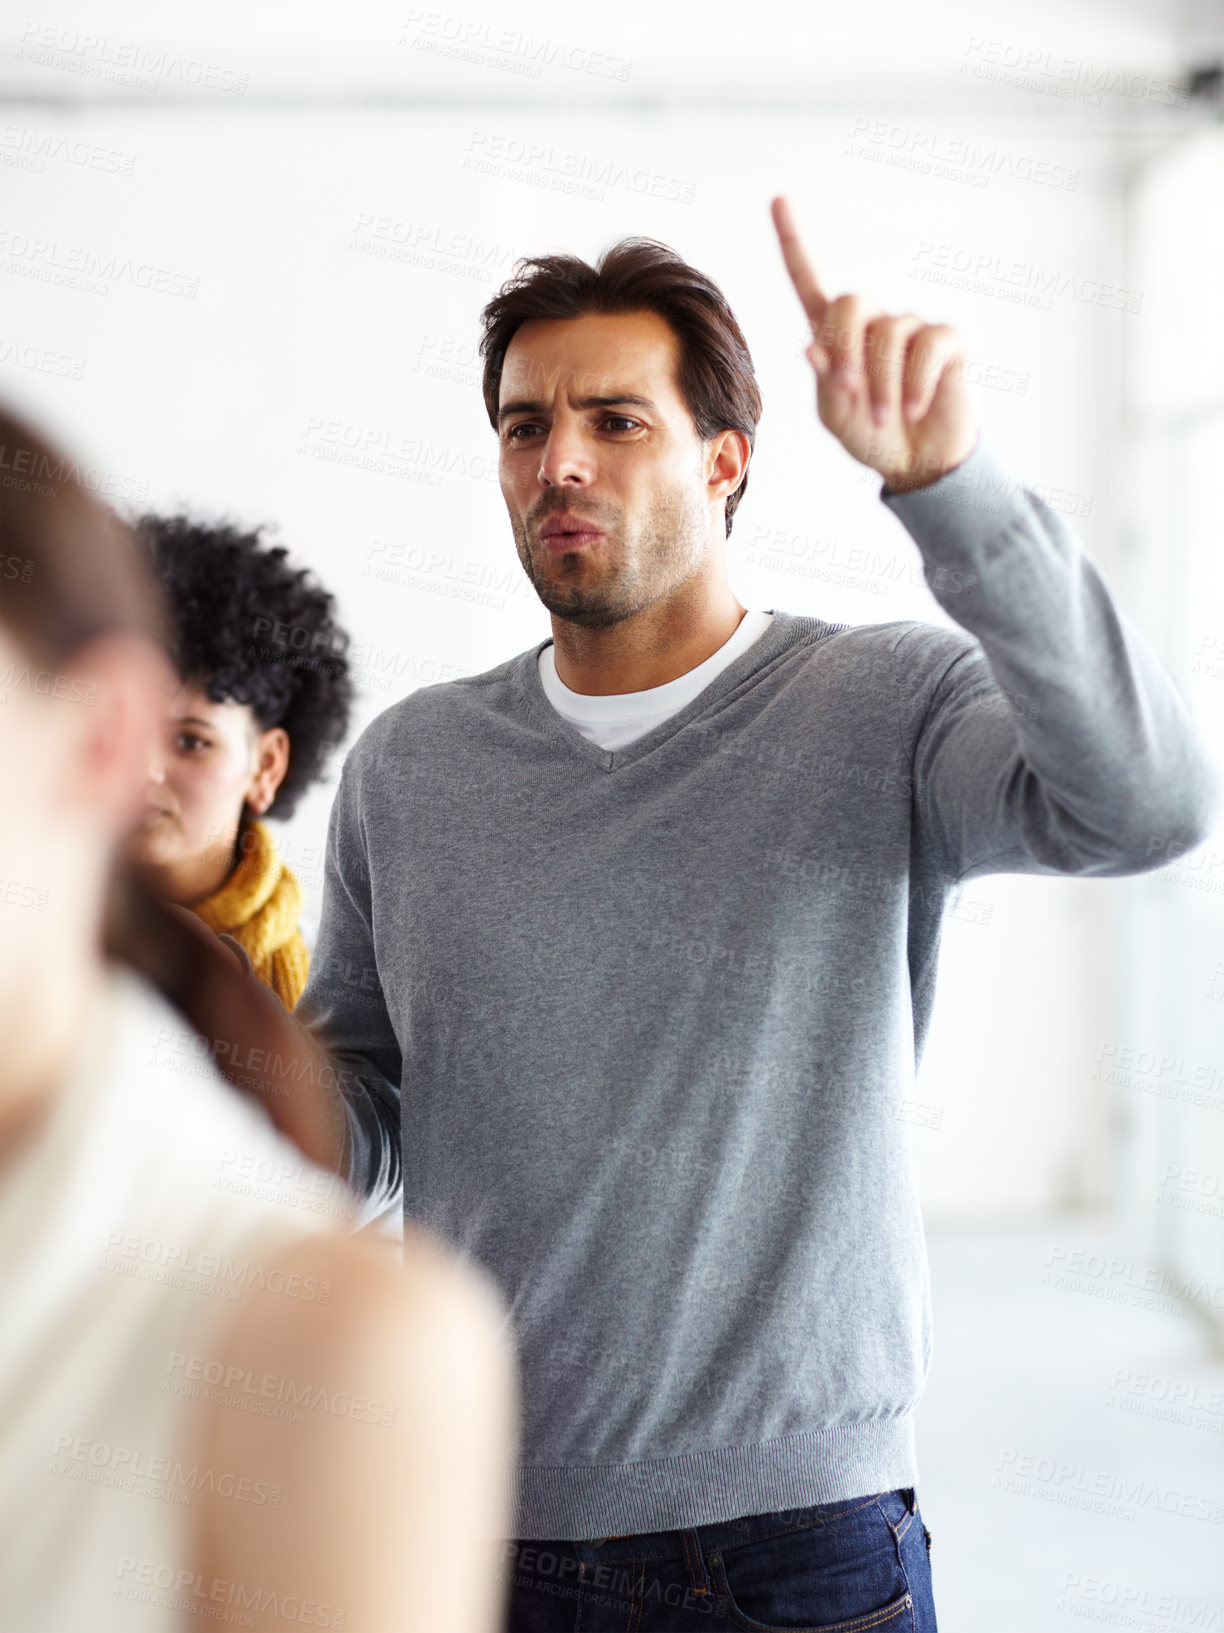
column 618, row 719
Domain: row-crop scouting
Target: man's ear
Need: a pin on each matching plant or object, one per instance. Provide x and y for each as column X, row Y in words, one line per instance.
column 727, row 456
column 117, row 690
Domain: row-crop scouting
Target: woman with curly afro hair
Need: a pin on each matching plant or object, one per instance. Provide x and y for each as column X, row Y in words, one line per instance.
column 265, row 695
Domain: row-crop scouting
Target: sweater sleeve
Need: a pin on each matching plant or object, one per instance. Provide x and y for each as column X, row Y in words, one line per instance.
column 344, row 1007
column 1053, row 737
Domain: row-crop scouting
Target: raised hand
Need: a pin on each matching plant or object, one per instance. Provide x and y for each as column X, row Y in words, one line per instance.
column 891, row 389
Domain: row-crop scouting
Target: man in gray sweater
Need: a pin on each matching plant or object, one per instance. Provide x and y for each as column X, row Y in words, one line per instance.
column 628, row 945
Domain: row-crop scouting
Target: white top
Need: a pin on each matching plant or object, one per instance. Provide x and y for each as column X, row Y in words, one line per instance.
column 621, row 718
column 129, row 1221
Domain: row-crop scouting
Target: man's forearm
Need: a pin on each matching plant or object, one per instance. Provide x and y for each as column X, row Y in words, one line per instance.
column 1102, row 722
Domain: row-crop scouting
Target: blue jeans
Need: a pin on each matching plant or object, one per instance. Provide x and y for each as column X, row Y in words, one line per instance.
column 857, row 1566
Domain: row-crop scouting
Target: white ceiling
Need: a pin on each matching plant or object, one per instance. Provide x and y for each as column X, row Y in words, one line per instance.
column 763, row 51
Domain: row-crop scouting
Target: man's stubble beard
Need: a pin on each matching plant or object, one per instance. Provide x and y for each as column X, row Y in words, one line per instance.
column 669, row 548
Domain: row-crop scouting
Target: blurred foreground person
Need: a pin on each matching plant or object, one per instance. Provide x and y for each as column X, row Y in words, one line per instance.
column 264, row 694
column 214, row 1402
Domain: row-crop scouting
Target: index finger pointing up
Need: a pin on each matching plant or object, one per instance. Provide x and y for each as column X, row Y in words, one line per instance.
column 807, row 285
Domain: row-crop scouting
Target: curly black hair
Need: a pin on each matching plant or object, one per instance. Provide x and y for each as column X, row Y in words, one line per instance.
column 247, row 626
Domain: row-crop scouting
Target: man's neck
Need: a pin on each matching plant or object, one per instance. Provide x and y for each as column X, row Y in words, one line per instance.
column 656, row 645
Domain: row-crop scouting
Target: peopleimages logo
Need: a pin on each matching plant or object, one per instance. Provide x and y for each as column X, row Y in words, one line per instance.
column 1101, row 1598
column 125, row 62
column 150, row 1582
column 956, row 158
column 1025, row 282
column 1058, row 1480
column 97, row 271
column 507, row 50
column 1037, row 68
column 121, row 1468
column 568, row 170
column 235, row 1385
column 1104, row 1275
column 21, row 467
column 136, row 1253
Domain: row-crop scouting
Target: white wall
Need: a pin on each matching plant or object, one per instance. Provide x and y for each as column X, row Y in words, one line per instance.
column 1165, row 1037
column 342, row 257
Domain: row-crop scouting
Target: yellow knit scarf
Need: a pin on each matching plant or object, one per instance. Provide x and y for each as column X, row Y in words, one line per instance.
column 259, row 905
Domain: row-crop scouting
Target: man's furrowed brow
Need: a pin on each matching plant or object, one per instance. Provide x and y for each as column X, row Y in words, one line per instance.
column 622, row 399
column 520, row 407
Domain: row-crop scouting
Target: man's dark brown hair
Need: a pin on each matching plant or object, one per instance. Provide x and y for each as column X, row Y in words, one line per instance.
column 715, row 375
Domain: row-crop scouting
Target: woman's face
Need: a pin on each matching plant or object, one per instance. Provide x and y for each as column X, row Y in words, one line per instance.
column 212, row 761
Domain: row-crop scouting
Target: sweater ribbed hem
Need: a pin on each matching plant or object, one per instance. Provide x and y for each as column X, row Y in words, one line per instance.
column 704, row 1488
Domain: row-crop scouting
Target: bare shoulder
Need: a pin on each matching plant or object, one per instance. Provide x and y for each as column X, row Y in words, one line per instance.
column 365, row 1300
column 387, row 1436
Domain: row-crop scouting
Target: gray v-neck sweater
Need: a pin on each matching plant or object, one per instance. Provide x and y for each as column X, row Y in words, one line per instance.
column 639, row 1024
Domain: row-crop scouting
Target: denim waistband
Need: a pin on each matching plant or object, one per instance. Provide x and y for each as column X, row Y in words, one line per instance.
column 691, row 1544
